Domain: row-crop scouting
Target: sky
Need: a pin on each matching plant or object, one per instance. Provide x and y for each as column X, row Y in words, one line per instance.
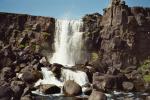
column 73, row 9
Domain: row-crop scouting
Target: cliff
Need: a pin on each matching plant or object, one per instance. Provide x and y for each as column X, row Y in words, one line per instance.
column 118, row 43
column 20, row 30
column 121, row 35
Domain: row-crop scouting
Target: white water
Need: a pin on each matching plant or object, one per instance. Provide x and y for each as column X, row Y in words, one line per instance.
column 49, row 78
column 68, row 43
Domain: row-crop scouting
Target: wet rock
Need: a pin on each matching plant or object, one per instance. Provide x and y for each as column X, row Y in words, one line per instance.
column 87, row 91
column 49, row 89
column 148, row 98
column 7, row 73
column 96, row 95
column 27, row 97
column 31, row 77
column 6, row 92
column 128, row 86
column 56, row 69
column 106, row 82
column 71, row 88
column 18, row 88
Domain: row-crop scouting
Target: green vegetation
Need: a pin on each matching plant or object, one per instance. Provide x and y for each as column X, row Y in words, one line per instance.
column 22, row 45
column 147, row 78
column 94, row 56
column 145, row 66
column 45, row 34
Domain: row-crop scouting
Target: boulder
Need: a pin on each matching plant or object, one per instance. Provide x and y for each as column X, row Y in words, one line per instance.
column 71, row 88
column 49, row 89
column 27, row 97
column 96, row 95
column 6, row 92
column 128, row 86
column 56, row 69
column 18, row 88
column 87, row 91
column 148, row 98
column 31, row 77
column 7, row 73
column 106, row 82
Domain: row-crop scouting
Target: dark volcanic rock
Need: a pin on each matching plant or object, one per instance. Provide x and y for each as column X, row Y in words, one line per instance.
column 105, row 82
column 7, row 73
column 56, row 69
column 18, row 88
column 31, row 77
column 6, row 92
column 27, row 97
column 49, row 89
column 128, row 86
column 71, row 88
column 123, row 35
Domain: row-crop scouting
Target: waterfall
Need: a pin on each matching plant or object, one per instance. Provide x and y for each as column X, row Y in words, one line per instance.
column 68, row 43
column 68, row 52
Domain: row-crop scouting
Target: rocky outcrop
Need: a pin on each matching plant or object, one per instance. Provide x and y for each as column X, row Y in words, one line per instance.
column 124, row 34
column 124, row 37
column 22, row 30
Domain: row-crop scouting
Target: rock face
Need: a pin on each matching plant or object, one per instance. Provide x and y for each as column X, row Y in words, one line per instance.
column 105, row 82
column 24, row 30
column 6, row 92
column 122, row 37
column 23, row 38
column 123, row 33
column 71, row 88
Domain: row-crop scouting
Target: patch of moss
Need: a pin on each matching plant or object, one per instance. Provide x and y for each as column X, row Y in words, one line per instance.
column 45, row 34
column 145, row 65
column 147, row 78
column 22, row 45
column 94, row 56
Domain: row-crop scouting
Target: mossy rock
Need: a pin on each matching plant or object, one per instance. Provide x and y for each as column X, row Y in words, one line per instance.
column 146, row 78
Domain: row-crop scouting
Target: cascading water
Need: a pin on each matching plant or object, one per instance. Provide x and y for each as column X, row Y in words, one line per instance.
column 68, row 43
column 68, row 52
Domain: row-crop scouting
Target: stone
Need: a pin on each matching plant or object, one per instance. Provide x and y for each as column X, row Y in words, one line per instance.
column 128, row 86
column 87, row 91
column 31, row 77
column 49, row 89
column 7, row 73
column 106, row 82
column 18, row 88
column 56, row 69
column 96, row 95
column 6, row 92
column 27, row 97
column 71, row 88
column 148, row 98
